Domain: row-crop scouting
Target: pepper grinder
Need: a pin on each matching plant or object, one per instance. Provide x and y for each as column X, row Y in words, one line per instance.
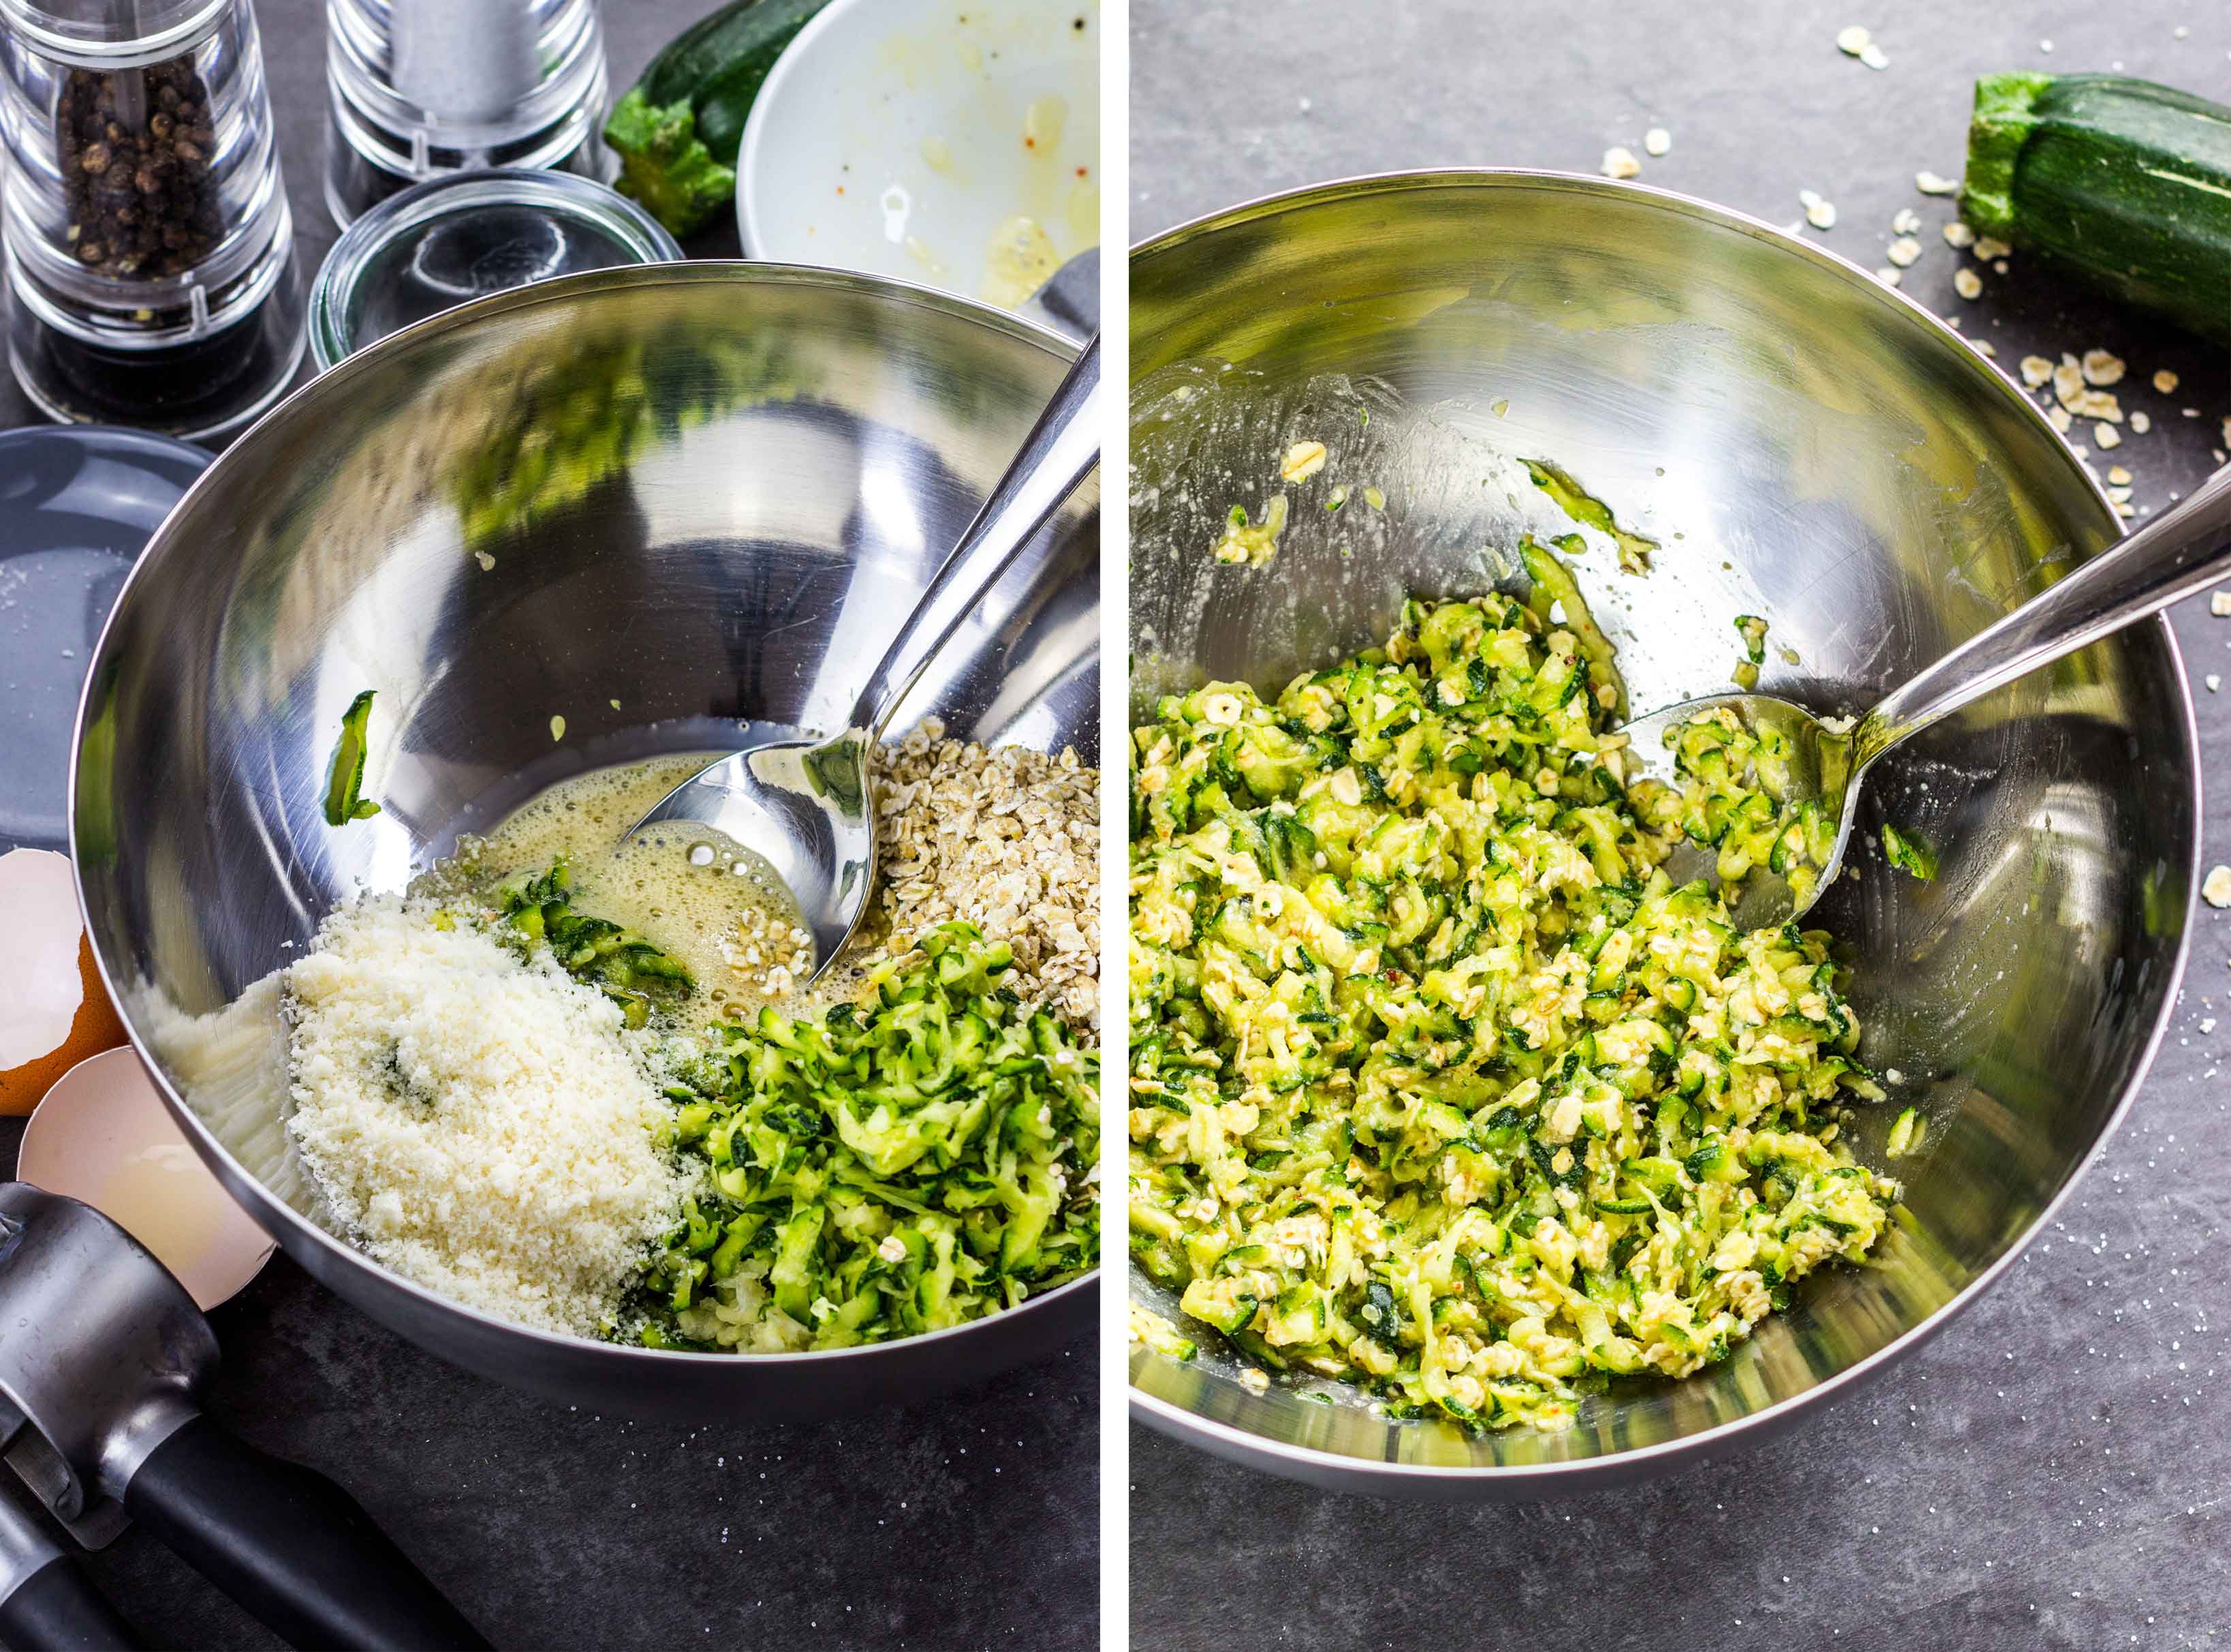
column 421, row 89
column 150, row 251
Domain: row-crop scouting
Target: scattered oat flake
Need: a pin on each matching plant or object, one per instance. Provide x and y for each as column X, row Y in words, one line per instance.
column 1819, row 212
column 1873, row 57
column 1657, row 141
column 1992, row 250
column 2036, row 372
column 1930, row 184
column 1958, row 234
column 2141, row 420
column 1906, row 223
column 1985, row 347
column 1888, row 276
column 1619, row 162
column 2044, row 45
column 2070, row 390
column 2217, row 890
column 2102, row 367
column 2214, row 682
column 2057, row 416
column 1967, row 283
column 1853, row 41
column 484, row 559
column 1902, row 252
column 2165, row 381
column 1303, row 461
column 2119, row 477
column 2219, row 604
column 2107, row 435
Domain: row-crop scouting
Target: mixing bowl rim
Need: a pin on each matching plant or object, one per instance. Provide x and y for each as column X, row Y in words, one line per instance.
column 1265, row 1451
column 275, row 1213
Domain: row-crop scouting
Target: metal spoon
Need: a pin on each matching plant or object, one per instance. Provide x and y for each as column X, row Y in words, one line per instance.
column 808, row 805
column 2183, row 551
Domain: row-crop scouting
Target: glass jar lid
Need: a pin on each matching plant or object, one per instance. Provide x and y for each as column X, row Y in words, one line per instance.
column 450, row 240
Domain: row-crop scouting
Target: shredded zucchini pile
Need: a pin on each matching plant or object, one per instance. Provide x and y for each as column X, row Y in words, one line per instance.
column 1440, row 1084
column 882, row 1170
column 637, row 975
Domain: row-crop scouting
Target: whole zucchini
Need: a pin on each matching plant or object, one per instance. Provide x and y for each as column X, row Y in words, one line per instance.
column 2125, row 183
column 678, row 129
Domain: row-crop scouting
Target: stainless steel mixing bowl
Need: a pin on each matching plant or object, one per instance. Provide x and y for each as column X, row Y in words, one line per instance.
column 1806, row 445
column 652, row 502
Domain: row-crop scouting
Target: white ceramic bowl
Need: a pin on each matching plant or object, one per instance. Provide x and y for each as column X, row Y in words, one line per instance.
column 902, row 137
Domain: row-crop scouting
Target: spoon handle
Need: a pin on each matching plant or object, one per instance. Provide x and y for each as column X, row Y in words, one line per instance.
column 2182, row 551
column 1059, row 453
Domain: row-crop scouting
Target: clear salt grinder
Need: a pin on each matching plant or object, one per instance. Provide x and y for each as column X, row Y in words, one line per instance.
column 418, row 88
column 150, row 252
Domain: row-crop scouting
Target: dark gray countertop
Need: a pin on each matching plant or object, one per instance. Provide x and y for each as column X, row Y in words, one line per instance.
column 969, row 1523
column 1970, row 1500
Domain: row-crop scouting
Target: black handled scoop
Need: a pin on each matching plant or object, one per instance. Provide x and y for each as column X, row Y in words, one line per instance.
column 101, row 1353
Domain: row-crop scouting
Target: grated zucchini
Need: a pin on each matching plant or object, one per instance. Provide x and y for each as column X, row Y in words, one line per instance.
column 344, row 799
column 881, row 1171
column 1439, row 1085
column 1905, row 851
column 634, row 973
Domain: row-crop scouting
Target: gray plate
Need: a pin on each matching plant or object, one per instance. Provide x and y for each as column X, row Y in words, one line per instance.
column 77, row 502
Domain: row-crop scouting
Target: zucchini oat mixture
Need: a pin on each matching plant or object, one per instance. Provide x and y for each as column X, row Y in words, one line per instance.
column 1440, row 1084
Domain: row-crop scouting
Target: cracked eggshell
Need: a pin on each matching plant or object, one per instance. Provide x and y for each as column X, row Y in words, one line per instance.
column 54, row 1011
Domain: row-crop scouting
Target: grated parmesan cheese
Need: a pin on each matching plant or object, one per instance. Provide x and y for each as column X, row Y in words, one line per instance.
column 476, row 1122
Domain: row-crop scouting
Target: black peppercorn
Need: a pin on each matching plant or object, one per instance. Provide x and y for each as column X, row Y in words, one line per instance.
column 141, row 197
